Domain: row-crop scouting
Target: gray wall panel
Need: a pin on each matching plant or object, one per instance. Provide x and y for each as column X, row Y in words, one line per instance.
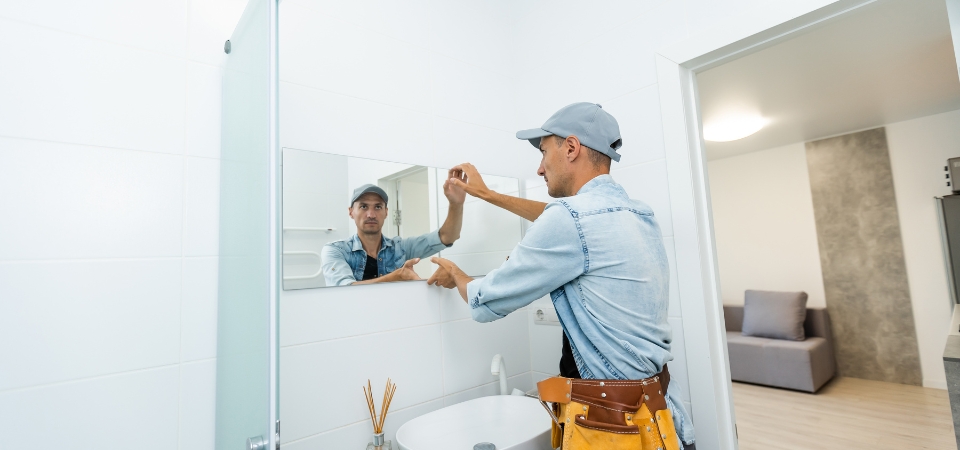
column 861, row 254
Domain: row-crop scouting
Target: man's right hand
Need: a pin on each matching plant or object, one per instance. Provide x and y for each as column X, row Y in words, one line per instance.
column 466, row 177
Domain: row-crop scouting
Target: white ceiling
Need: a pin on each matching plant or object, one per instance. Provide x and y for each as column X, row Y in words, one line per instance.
column 885, row 63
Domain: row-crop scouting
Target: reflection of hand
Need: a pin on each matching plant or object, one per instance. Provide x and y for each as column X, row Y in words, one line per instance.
column 446, row 273
column 406, row 273
column 468, row 178
column 455, row 194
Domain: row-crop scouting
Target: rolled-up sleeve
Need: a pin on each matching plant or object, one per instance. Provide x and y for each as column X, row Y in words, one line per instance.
column 549, row 255
column 423, row 246
column 336, row 271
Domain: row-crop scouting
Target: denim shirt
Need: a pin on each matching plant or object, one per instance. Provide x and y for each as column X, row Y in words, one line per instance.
column 600, row 256
column 343, row 261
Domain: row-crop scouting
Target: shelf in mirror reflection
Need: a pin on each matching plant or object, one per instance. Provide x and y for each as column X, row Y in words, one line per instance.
column 318, row 189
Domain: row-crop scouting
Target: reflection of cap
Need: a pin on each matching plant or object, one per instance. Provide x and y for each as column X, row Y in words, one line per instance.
column 593, row 126
column 368, row 188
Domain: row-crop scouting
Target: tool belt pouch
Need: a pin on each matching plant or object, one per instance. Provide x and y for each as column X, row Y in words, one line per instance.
column 609, row 414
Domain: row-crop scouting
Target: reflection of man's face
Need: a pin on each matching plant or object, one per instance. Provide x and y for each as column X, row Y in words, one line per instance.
column 369, row 213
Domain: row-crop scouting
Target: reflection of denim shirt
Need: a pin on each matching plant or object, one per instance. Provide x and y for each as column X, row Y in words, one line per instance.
column 343, row 261
column 601, row 258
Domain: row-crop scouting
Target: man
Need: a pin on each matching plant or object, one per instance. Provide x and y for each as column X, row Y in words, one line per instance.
column 598, row 254
column 368, row 257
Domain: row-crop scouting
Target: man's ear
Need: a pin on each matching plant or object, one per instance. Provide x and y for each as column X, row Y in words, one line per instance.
column 350, row 212
column 572, row 148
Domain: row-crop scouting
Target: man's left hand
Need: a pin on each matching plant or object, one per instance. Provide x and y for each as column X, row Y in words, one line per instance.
column 446, row 274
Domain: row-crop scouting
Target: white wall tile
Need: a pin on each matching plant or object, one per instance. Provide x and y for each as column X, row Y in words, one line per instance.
column 159, row 26
column 203, row 110
column 312, row 315
column 468, row 93
column 76, row 319
column 73, row 89
column 332, row 123
column 521, row 381
column 378, row 16
column 474, row 32
column 540, row 376
column 638, row 114
column 323, row 52
column 492, row 151
column 628, row 52
column 531, row 20
column 198, row 322
column 211, row 23
column 703, row 15
column 358, row 434
column 121, row 412
column 546, row 344
column 674, row 309
column 648, row 183
column 201, row 224
column 316, row 376
column 69, row 201
column 678, row 367
column 198, row 405
column 468, row 349
column 452, row 306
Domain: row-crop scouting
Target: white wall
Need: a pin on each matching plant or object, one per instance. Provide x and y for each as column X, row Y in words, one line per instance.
column 109, row 173
column 766, row 236
column 918, row 152
column 424, row 83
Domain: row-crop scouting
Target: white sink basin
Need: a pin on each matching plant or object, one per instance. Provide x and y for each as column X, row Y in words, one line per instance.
column 511, row 422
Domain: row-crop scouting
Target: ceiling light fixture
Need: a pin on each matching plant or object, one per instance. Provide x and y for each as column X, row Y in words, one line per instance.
column 732, row 127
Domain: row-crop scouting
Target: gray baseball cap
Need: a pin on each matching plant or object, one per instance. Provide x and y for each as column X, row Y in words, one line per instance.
column 358, row 192
column 594, row 127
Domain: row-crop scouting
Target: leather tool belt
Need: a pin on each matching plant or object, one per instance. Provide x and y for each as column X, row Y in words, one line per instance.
column 610, row 414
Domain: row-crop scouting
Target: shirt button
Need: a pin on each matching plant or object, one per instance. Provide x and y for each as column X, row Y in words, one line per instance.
column 381, row 259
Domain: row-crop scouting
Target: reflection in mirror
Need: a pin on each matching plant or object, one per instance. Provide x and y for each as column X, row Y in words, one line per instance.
column 323, row 225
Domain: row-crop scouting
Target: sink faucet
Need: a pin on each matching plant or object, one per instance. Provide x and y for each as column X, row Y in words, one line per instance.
column 498, row 367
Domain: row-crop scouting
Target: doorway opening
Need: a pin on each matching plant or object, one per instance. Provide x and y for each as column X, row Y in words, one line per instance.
column 824, row 151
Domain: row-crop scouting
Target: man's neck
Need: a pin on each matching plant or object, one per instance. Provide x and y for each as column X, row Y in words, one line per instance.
column 582, row 179
column 371, row 243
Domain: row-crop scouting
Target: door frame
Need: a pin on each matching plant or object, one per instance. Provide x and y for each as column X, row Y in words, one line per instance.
column 276, row 225
column 698, row 278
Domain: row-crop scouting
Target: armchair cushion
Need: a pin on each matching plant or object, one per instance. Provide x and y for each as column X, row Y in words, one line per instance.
column 774, row 315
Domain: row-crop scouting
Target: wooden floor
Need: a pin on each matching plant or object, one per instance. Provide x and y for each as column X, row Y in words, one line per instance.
column 847, row 413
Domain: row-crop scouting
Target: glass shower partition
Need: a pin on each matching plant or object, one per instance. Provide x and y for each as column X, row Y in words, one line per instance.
column 247, row 348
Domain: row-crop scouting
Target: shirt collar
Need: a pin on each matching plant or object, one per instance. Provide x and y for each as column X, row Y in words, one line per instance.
column 596, row 182
column 358, row 246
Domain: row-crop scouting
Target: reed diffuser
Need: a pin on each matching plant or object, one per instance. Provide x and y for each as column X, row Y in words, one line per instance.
column 378, row 441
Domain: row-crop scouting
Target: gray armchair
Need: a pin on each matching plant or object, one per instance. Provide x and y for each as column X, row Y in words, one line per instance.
column 801, row 365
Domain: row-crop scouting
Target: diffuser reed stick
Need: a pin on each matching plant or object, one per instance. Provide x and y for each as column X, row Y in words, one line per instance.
column 388, row 392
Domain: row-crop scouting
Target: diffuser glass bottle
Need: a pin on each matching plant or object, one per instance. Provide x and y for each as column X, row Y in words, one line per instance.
column 379, row 443
column 384, row 444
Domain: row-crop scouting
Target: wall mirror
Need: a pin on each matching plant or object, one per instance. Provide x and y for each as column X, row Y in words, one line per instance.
column 317, row 192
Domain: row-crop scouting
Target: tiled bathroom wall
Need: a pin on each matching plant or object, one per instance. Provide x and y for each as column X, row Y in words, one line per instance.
column 109, row 182
column 437, row 91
